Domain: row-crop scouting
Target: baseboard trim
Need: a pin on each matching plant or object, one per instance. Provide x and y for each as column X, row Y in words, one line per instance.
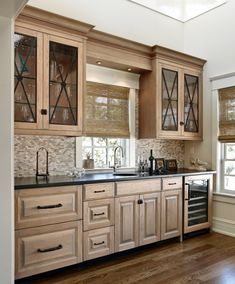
column 224, row 226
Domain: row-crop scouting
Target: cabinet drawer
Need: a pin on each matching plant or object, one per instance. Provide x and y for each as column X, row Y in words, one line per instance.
column 98, row 191
column 98, row 243
column 98, row 214
column 35, row 207
column 47, row 247
column 172, row 183
column 138, row 187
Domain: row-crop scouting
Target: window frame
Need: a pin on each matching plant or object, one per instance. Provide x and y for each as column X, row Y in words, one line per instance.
column 222, row 169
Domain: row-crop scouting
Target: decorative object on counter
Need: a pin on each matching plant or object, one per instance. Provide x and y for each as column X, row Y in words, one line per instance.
column 171, row 165
column 44, row 173
column 76, row 172
column 143, row 167
column 196, row 164
column 88, row 163
column 151, row 160
column 160, row 166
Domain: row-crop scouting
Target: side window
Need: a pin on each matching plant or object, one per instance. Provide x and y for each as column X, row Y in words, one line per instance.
column 228, row 167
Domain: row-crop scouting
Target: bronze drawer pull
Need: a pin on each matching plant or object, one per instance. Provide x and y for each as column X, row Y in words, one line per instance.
column 99, row 214
column 97, row 244
column 99, row 191
column 50, row 206
column 50, row 249
column 172, row 183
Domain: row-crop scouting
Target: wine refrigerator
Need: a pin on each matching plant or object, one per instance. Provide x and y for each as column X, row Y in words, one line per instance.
column 197, row 202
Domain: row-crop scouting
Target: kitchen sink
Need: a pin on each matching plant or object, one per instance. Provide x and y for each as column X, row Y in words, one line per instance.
column 125, row 174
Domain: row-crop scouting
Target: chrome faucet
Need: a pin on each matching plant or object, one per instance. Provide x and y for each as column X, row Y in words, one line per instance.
column 117, row 163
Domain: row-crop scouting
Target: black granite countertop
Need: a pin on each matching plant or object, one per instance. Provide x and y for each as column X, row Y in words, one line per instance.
column 32, row 182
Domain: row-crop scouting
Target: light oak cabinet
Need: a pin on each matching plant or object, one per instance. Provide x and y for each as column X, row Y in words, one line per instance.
column 49, row 80
column 48, row 224
column 137, row 217
column 98, row 223
column 171, row 97
column 171, row 208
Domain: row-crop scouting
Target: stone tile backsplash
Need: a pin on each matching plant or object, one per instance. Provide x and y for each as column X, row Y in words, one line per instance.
column 168, row 149
column 61, row 154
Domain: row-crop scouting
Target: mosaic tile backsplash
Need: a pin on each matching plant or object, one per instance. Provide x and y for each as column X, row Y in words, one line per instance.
column 61, row 154
column 168, row 149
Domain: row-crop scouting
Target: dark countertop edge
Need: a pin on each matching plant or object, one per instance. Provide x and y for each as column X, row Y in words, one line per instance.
column 30, row 182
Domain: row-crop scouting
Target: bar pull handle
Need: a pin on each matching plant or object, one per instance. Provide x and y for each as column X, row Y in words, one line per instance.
column 98, row 244
column 99, row 191
column 50, row 249
column 172, row 183
column 186, row 191
column 50, row 206
column 98, row 214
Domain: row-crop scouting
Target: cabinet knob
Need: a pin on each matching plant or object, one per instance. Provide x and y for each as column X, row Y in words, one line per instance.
column 181, row 123
column 140, row 201
column 43, row 111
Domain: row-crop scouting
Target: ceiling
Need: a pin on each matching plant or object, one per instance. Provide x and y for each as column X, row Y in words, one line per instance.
column 11, row 8
column 181, row 10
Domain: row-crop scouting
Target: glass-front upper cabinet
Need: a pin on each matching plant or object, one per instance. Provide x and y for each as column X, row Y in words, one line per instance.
column 63, row 84
column 26, row 77
column 48, row 83
column 179, row 102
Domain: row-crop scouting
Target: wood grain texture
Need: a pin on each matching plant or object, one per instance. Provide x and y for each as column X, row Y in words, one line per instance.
column 207, row 259
column 27, row 214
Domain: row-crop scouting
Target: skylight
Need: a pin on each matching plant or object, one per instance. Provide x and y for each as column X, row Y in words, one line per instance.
column 181, row 10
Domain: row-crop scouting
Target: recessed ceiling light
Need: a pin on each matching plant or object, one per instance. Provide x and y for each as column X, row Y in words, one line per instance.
column 99, row 62
column 129, row 69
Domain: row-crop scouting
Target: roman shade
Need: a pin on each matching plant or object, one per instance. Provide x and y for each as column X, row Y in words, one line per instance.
column 106, row 110
column 227, row 115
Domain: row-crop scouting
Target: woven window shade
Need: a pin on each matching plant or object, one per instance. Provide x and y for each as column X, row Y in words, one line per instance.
column 106, row 110
column 227, row 115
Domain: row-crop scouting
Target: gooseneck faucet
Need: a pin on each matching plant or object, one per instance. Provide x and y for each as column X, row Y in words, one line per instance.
column 117, row 163
column 44, row 174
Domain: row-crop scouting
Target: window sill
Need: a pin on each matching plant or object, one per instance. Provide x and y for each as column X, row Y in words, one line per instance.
column 224, row 197
column 109, row 170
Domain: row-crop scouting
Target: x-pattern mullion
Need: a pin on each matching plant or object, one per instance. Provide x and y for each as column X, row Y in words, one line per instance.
column 169, row 99
column 191, row 102
column 20, row 77
column 63, row 86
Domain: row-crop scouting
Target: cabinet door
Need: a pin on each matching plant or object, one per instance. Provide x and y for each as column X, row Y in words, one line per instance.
column 63, row 84
column 28, row 76
column 171, row 217
column 192, row 104
column 169, row 101
column 150, row 218
column 197, row 202
column 126, row 222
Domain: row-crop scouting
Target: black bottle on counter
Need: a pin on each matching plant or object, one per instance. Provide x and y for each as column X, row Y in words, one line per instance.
column 151, row 160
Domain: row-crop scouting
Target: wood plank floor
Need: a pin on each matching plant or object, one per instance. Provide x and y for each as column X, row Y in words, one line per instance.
column 209, row 258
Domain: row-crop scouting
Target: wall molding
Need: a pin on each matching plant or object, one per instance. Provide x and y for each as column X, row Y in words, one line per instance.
column 223, row 226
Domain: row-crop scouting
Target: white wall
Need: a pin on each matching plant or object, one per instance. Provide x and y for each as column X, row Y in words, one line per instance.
column 7, row 13
column 6, row 153
column 121, row 18
column 210, row 36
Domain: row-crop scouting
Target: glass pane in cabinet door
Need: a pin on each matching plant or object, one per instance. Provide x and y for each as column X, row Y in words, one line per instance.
column 191, row 95
column 25, row 78
column 63, row 84
column 169, row 100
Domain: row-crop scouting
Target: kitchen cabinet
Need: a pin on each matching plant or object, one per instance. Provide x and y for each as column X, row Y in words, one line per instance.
column 170, row 103
column 197, row 202
column 98, row 220
column 49, row 75
column 137, row 217
column 48, row 231
column 171, row 208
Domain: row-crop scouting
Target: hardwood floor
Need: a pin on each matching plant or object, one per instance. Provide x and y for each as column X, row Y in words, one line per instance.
column 209, row 258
